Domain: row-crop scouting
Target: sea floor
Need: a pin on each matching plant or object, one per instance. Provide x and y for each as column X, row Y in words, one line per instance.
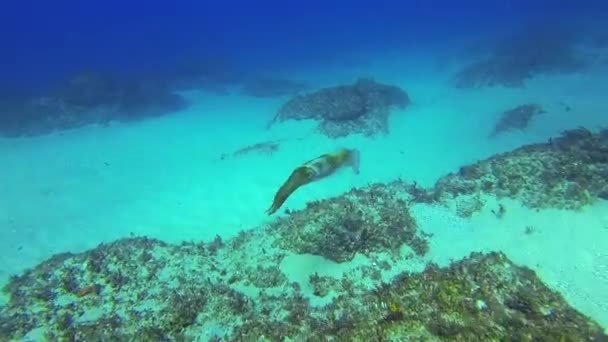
column 167, row 178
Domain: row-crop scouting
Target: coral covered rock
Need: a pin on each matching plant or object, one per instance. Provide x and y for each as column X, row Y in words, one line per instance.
column 371, row 219
column 481, row 298
column 362, row 107
column 567, row 172
column 132, row 289
column 151, row 291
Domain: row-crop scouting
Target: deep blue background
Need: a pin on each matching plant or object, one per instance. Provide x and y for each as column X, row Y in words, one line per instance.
column 43, row 41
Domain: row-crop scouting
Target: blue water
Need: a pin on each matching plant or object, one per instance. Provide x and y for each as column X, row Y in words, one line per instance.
column 178, row 88
column 43, row 42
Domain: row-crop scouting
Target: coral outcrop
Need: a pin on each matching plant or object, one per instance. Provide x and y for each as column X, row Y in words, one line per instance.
column 151, row 291
column 362, row 107
column 568, row 172
column 371, row 219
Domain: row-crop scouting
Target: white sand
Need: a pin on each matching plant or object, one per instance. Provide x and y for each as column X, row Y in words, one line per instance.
column 567, row 250
column 163, row 177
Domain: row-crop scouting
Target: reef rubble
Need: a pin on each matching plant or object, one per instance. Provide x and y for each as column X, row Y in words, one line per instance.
column 362, row 107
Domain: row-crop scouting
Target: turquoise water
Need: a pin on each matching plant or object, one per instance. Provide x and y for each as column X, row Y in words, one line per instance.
column 142, row 148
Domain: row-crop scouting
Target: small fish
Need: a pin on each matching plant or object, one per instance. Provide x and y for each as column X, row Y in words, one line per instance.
column 313, row 170
column 516, row 118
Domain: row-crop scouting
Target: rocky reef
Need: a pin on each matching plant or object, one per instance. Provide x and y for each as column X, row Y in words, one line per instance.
column 362, row 107
column 544, row 48
column 87, row 98
column 242, row 289
column 371, row 219
column 567, row 172
column 483, row 297
column 144, row 289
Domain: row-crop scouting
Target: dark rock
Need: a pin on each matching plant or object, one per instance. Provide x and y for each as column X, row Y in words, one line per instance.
column 362, row 107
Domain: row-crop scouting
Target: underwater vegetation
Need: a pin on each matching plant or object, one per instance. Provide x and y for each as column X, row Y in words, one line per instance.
column 144, row 289
column 362, row 107
column 567, row 172
column 516, row 118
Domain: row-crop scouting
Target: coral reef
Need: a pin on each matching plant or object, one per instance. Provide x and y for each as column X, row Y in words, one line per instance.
column 149, row 290
column 567, row 172
column 143, row 288
column 362, row 107
column 483, row 297
column 516, row 118
column 539, row 49
column 370, row 219
column 241, row 290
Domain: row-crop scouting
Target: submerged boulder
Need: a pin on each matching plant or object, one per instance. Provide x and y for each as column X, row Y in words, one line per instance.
column 362, row 107
column 87, row 98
